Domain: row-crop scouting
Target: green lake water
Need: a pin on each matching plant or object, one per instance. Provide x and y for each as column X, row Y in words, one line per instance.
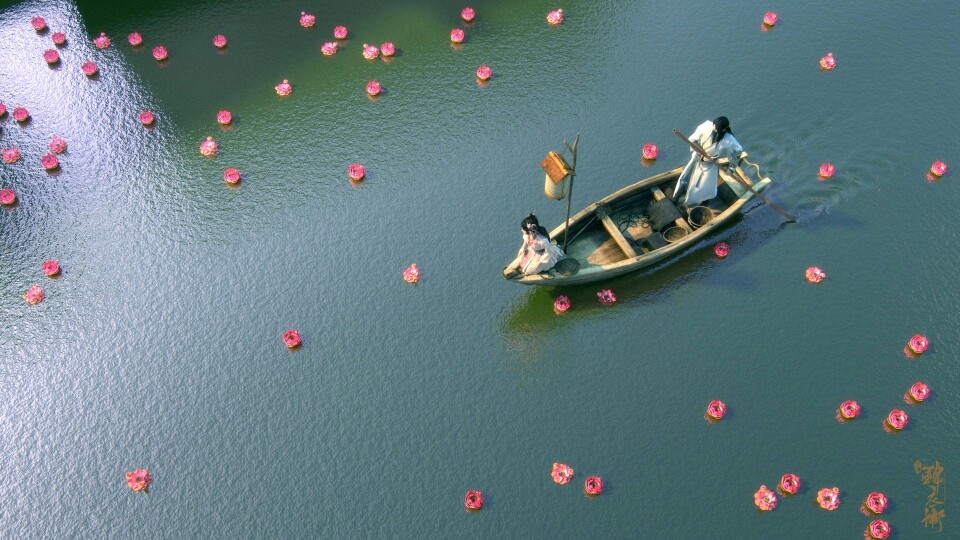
column 159, row 346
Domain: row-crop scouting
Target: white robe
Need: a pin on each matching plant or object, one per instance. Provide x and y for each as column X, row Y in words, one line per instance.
column 538, row 254
column 701, row 177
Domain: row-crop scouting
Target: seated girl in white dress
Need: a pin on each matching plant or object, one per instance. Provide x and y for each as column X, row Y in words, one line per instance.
column 538, row 253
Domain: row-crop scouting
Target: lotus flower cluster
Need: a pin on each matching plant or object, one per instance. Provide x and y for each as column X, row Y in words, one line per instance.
column 593, row 485
column 138, row 480
column 456, row 35
column 765, row 499
column 467, row 14
column 51, row 56
column 770, row 18
column 370, row 52
column 135, row 39
column 89, row 68
column 412, row 274
column 231, row 175
column 307, row 20
column 897, row 419
column 484, row 73
column 34, row 294
column 716, row 409
column 291, row 338
column 790, row 483
column 473, row 500
column 373, row 88
column 284, row 88
column 224, row 117
column 159, row 53
column 146, row 118
column 219, row 41
column 356, row 172
column 340, row 32
column 58, row 145
column 876, row 502
column 919, row 392
column 49, row 162
column 388, row 49
column 561, row 473
column 879, row 529
column 721, row 250
column 561, row 305
column 11, row 155
column 829, row 498
column 101, row 41
column 209, row 147
column 650, row 151
column 606, row 297
column 7, row 197
column 849, row 409
column 826, row 171
column 918, row 344
column 555, row 17
column 815, row 274
column 20, row 114
column 329, row 48
column 828, row 62
column 58, row 38
column 50, row 268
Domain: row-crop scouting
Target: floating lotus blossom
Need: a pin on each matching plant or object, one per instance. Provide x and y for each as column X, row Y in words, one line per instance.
column 58, row 38
column 716, row 409
column 456, row 35
column 89, row 68
column 849, row 409
column 561, row 305
column 284, row 88
column 473, row 500
column 897, row 419
column 555, row 17
column 50, row 268
column 606, row 297
column 918, row 344
column 721, row 250
column 765, row 499
column 51, row 56
column 828, row 62
column 770, row 18
column 11, row 155
column 231, row 176
column 340, row 32
column 412, row 274
column 20, row 114
column 3, row 110
column 307, row 20
column 38, row 23
column 790, row 483
column 7, row 197
column 593, row 485
column 138, row 480
column 826, row 171
column 219, row 41
column 370, row 52
column 919, row 392
column 224, row 117
column 101, row 41
column 650, row 151
column 561, row 473
column 876, row 502
column 829, row 498
column 58, row 145
column 159, row 53
column 938, row 168
column 879, row 529
column 34, row 295
column 209, row 147
column 135, row 38
column 291, row 338
column 329, row 48
column 49, row 162
column 373, row 88
column 146, row 118
column 467, row 14
column 387, row 49
column 484, row 73
column 356, row 172
column 815, row 274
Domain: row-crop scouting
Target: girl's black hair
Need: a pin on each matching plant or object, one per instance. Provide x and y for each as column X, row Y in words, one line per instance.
column 530, row 223
column 723, row 127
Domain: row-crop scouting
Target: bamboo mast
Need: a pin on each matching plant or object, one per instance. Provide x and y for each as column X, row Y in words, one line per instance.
column 573, row 173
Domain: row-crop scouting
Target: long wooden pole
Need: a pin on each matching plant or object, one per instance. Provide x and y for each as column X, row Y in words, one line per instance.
column 573, row 173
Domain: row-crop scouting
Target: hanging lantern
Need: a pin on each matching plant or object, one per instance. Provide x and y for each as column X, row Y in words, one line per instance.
column 558, row 173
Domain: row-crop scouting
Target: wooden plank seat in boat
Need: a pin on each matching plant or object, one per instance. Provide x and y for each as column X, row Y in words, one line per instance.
column 679, row 222
column 614, row 231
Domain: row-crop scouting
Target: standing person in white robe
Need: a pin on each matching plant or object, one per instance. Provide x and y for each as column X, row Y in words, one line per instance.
column 699, row 178
column 538, row 253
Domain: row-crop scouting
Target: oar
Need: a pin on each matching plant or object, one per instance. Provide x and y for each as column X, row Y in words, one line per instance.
column 736, row 176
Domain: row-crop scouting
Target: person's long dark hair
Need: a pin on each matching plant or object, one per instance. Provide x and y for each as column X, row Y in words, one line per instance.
column 530, row 223
column 723, row 127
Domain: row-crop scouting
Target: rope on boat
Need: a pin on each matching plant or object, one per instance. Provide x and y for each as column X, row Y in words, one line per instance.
column 755, row 166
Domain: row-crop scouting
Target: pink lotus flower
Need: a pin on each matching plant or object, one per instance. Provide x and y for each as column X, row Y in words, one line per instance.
column 89, row 68
column 606, row 297
column 284, row 88
column 467, row 14
column 219, row 41
column 3, row 110
column 34, row 295
column 209, row 147
column 879, row 529
column 790, row 483
column 918, row 344
column 231, row 175
column 146, row 118
column 721, row 250
column 561, row 305
column 815, row 274
column 49, row 162
column 138, row 480
column 650, row 151
column 716, row 409
column 7, row 197
column 765, row 499
column 412, row 274
column 20, row 114
column 58, row 38
column 849, row 409
column 291, row 338
column 160, row 53
column 51, row 56
column 456, row 35
column 340, row 32
column 356, row 172
column 593, row 485
column 307, row 20
column 50, row 268
column 919, row 391
column 770, row 18
column 102, row 41
column 938, row 168
column 38, row 23
column 826, row 171
column 387, row 49
column 370, row 52
column 473, row 500
column 828, row 62
column 829, row 498
column 11, row 155
column 224, row 117
column 135, row 38
column 876, row 502
column 555, row 17
column 373, row 88
column 484, row 73
column 329, row 48
column 561, row 473
column 58, row 145
column 897, row 419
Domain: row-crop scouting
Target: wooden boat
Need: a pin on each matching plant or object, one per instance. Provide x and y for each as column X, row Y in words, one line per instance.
column 636, row 227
